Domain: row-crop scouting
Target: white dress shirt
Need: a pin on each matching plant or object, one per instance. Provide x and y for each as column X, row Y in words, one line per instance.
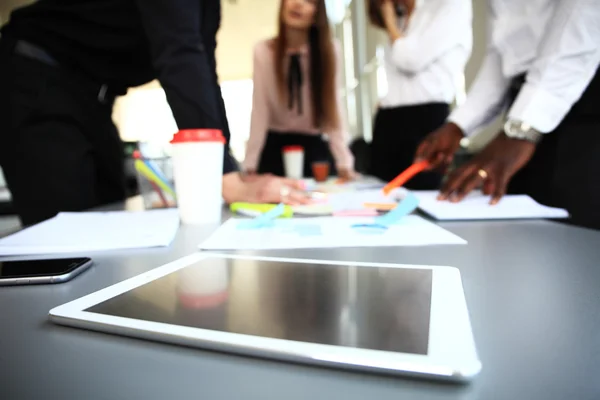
column 427, row 63
column 555, row 42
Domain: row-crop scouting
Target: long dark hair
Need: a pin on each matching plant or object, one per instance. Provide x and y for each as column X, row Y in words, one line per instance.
column 374, row 13
column 322, row 68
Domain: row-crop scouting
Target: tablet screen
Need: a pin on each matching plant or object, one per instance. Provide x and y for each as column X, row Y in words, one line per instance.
column 364, row 307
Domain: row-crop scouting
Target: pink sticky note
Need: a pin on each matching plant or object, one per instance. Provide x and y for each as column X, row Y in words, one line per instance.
column 356, row 213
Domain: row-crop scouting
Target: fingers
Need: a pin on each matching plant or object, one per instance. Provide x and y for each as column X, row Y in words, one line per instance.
column 282, row 190
column 470, row 183
column 457, row 180
column 437, row 159
column 293, row 183
column 499, row 192
column 423, row 151
column 488, row 187
column 297, row 198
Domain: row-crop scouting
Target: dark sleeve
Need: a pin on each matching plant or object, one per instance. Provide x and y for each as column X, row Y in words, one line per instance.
column 185, row 64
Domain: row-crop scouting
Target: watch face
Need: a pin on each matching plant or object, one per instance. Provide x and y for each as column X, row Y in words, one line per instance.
column 509, row 128
column 519, row 130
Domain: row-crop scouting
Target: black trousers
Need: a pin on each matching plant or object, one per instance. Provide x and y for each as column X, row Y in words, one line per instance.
column 396, row 134
column 315, row 149
column 565, row 168
column 59, row 148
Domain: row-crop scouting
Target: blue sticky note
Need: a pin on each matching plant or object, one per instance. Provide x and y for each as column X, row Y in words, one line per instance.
column 405, row 207
column 266, row 219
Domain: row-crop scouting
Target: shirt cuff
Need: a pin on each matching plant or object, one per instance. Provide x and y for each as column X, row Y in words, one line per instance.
column 465, row 119
column 539, row 108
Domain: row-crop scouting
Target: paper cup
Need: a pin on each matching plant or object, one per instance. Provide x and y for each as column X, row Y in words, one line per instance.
column 293, row 161
column 198, row 172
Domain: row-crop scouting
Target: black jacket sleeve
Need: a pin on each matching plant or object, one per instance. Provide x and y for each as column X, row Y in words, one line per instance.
column 181, row 35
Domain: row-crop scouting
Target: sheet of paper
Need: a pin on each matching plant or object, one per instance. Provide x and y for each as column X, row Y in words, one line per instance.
column 327, row 232
column 333, row 186
column 94, row 231
column 350, row 201
column 476, row 206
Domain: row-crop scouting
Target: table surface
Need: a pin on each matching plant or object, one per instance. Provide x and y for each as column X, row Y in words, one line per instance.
column 532, row 287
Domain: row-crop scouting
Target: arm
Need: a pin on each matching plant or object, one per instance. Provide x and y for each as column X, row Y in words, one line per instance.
column 259, row 122
column 183, row 63
column 338, row 138
column 444, row 32
column 566, row 63
column 486, row 99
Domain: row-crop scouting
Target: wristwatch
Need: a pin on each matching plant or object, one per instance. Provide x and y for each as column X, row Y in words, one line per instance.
column 521, row 131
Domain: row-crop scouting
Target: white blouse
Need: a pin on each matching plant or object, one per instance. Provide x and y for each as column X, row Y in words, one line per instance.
column 427, row 64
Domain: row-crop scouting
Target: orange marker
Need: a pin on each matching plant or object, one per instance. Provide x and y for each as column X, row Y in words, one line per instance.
column 405, row 176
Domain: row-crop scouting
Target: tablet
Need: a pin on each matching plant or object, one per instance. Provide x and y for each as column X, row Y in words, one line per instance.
column 390, row 318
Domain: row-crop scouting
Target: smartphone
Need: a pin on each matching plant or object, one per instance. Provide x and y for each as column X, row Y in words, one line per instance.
column 30, row 272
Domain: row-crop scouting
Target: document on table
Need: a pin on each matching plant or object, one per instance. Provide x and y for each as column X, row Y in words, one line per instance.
column 327, row 232
column 352, row 201
column 476, row 206
column 94, row 231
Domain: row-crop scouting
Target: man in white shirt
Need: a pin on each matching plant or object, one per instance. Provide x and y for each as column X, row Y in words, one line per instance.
column 542, row 65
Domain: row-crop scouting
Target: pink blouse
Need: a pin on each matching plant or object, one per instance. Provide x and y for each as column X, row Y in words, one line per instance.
column 269, row 112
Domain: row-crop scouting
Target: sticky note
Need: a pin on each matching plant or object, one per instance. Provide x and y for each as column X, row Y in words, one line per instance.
column 265, row 219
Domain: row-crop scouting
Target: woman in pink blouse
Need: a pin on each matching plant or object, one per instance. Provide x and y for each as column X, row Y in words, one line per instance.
column 291, row 104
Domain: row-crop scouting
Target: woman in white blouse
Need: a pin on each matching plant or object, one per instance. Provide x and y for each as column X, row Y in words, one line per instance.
column 429, row 45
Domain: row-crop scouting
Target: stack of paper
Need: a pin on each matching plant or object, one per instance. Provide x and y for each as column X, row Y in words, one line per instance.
column 476, row 206
column 94, row 231
column 325, row 232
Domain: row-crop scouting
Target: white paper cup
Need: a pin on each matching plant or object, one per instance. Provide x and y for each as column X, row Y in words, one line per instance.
column 198, row 172
column 293, row 161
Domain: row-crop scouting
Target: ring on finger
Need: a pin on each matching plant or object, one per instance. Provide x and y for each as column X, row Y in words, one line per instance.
column 284, row 192
column 482, row 173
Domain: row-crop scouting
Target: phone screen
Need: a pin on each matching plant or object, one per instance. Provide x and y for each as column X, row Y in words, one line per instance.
column 31, row 268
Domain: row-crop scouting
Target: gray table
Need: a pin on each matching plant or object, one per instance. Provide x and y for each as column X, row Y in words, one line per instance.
column 533, row 290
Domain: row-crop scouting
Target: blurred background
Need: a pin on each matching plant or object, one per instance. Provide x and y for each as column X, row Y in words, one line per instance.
column 143, row 115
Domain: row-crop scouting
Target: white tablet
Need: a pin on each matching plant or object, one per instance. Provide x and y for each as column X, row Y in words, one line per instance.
column 391, row 318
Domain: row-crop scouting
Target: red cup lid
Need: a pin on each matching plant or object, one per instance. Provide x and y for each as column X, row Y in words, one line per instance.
column 198, row 135
column 292, row 148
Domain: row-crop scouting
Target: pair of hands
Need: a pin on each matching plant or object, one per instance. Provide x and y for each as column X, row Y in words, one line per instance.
column 492, row 168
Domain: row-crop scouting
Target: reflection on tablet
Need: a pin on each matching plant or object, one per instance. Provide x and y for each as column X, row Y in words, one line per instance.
column 327, row 304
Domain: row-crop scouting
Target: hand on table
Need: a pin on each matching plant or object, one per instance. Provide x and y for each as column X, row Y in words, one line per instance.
column 347, row 175
column 439, row 146
column 493, row 167
column 254, row 188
